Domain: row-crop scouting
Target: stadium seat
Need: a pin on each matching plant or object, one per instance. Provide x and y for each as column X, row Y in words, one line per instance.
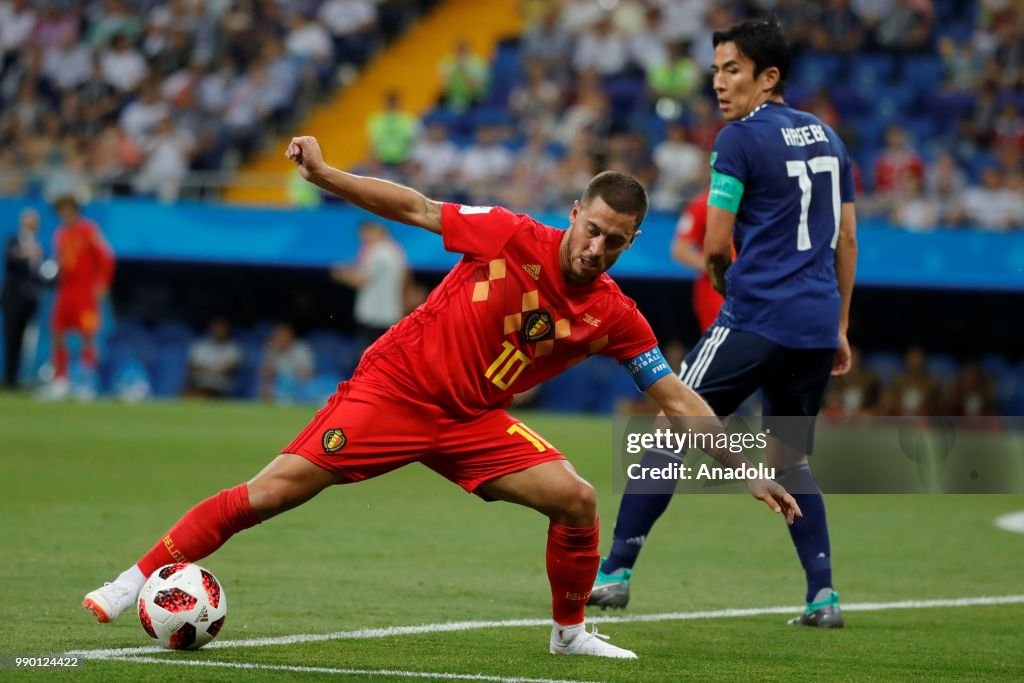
column 327, row 346
column 922, row 74
column 944, row 366
column 172, row 332
column 871, row 71
column 170, row 370
column 886, row 364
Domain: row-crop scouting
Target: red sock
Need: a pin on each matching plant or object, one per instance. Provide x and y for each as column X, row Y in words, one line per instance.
column 203, row 529
column 60, row 361
column 572, row 560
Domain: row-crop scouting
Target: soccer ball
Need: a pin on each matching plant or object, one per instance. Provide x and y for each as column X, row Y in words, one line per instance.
column 182, row 606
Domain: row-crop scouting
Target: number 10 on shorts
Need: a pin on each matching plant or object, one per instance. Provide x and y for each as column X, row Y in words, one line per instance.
column 538, row 441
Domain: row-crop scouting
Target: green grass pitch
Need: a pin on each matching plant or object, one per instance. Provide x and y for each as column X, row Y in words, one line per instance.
column 85, row 489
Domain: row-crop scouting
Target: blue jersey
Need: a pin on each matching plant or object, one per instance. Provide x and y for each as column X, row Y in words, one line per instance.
column 789, row 173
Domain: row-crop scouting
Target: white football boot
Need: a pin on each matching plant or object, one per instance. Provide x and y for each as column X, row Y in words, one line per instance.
column 577, row 640
column 109, row 601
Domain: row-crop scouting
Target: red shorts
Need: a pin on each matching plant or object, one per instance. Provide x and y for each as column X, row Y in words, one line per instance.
column 365, row 431
column 76, row 313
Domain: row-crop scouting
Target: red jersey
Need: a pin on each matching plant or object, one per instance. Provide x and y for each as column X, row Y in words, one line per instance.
column 86, row 262
column 503, row 320
column 691, row 227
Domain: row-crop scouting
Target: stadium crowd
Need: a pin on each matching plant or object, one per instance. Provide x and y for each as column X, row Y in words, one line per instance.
column 122, row 97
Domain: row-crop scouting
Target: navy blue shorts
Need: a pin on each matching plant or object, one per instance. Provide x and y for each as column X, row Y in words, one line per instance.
column 727, row 366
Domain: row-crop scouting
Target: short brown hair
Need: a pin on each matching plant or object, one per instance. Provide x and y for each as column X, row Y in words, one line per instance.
column 623, row 193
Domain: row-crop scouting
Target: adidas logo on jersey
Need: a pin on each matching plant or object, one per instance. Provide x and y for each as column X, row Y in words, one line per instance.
column 533, row 270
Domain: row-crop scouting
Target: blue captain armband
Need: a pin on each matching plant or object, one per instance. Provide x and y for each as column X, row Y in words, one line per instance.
column 647, row 368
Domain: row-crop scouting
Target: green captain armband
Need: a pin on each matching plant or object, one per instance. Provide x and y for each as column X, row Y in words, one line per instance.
column 726, row 192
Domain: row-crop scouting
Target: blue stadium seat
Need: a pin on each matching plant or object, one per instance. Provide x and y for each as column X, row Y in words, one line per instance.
column 326, row 345
column 170, row 370
column 871, row 71
column 818, row 70
column 172, row 332
column 922, row 74
column 886, row 364
column 944, row 366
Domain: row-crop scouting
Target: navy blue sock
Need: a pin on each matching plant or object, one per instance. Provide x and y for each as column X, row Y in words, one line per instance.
column 642, row 504
column 810, row 532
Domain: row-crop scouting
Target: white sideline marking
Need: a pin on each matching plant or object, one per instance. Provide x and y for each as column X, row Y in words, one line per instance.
column 1012, row 522
column 477, row 625
column 342, row 672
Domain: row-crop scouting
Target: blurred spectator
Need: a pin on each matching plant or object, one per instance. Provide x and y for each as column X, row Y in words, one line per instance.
column 590, row 111
column 855, row 393
column 677, row 76
column 537, row 101
column 121, row 65
column 68, row 64
column 961, row 65
column 897, row 163
column 486, row 165
column 17, row 19
column 913, row 210
column 993, row 205
column 12, row 178
column 944, row 185
column 392, row 131
column 213, row 362
column 973, row 393
column 647, row 48
column 167, row 153
column 907, row 25
column 916, row 391
column 379, row 277
column 309, row 42
column 1008, row 128
column 548, row 44
column 838, row 29
column 531, row 184
column 113, row 18
column 22, row 288
column 602, row 49
column 436, row 160
column 466, row 78
column 286, row 367
column 139, row 118
column 352, row 24
column 681, row 168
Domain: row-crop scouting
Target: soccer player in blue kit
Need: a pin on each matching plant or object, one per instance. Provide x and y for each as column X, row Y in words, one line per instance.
column 782, row 191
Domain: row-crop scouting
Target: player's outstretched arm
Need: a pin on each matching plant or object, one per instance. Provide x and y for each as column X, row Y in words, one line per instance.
column 386, row 199
column 686, row 411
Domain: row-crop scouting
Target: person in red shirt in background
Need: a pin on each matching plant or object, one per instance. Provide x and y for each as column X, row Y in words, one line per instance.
column 688, row 249
column 897, row 163
column 85, row 265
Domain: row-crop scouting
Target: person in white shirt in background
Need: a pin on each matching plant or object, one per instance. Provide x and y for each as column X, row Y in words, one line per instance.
column 379, row 277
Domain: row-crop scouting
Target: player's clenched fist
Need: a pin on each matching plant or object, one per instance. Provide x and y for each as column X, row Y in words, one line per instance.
column 305, row 152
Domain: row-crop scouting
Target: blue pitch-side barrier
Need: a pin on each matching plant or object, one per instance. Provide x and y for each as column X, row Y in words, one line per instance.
column 200, row 232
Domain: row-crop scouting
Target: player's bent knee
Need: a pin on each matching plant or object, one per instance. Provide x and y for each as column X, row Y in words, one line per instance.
column 578, row 506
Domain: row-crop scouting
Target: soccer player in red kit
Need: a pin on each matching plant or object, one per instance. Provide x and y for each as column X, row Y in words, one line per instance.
column 525, row 302
column 688, row 249
column 85, row 269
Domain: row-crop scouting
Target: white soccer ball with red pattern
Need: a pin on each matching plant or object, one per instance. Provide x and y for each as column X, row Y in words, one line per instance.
column 182, row 606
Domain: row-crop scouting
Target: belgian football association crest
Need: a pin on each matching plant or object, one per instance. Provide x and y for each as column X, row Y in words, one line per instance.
column 537, row 326
column 334, row 440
